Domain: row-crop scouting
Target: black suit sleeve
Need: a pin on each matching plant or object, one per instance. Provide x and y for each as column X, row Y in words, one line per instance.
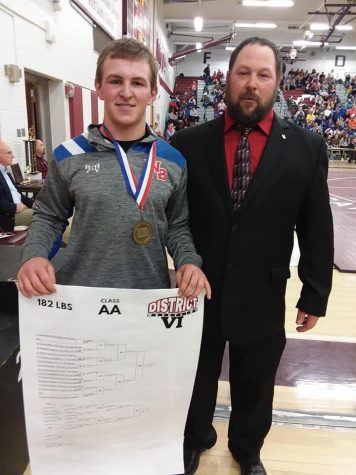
column 314, row 229
column 27, row 201
column 7, row 206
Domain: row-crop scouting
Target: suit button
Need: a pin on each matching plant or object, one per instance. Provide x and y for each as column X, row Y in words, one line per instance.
column 235, row 228
column 230, row 265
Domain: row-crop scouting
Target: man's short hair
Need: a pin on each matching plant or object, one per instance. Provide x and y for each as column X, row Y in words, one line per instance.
column 259, row 41
column 128, row 48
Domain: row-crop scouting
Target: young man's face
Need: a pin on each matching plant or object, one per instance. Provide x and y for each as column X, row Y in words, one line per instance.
column 252, row 84
column 126, row 92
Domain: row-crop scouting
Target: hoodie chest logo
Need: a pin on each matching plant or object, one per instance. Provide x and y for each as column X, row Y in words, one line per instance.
column 160, row 172
column 92, row 168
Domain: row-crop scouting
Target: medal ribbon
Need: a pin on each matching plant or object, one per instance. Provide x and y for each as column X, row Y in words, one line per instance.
column 137, row 189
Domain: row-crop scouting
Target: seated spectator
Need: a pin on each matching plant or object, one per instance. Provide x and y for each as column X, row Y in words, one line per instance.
column 310, row 117
column 221, row 107
column 194, row 88
column 192, row 103
column 328, row 112
column 292, row 84
column 340, row 123
column 351, row 123
column 217, row 92
column 351, row 111
column 220, row 76
column 173, row 104
column 173, row 116
column 299, row 115
column 291, row 102
column 293, row 109
column 12, row 202
column 342, row 110
column 206, row 100
column 349, row 104
column 180, row 125
column 169, row 132
column 193, row 116
column 42, row 164
column 335, row 141
column 182, row 108
column 344, row 141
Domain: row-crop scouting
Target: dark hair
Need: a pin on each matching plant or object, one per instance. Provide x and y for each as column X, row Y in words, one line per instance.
column 259, row 41
column 127, row 48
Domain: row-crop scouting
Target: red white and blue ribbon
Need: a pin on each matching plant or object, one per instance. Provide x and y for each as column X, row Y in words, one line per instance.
column 138, row 189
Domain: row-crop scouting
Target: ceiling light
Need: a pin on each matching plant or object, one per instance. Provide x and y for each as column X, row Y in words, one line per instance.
column 198, row 46
column 343, row 27
column 256, row 25
column 229, row 48
column 319, row 26
column 308, row 43
column 308, row 35
column 198, row 23
column 346, row 47
column 267, row 3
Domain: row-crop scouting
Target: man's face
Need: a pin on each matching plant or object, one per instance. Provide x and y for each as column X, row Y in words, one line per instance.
column 40, row 148
column 6, row 155
column 126, row 92
column 251, row 85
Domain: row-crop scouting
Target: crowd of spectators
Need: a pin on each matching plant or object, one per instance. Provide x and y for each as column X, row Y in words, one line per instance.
column 315, row 106
column 319, row 109
column 183, row 110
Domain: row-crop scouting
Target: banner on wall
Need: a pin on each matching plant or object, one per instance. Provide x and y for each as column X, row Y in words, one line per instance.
column 161, row 55
column 142, row 29
column 139, row 20
column 106, row 13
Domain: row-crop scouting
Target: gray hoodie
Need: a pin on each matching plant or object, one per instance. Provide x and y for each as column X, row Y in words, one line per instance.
column 85, row 177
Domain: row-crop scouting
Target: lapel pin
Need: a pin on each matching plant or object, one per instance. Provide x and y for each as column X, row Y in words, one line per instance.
column 284, row 136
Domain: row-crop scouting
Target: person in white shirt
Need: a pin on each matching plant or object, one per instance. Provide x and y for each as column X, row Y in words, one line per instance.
column 12, row 202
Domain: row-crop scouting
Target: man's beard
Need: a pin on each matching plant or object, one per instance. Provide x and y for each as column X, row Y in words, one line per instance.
column 237, row 113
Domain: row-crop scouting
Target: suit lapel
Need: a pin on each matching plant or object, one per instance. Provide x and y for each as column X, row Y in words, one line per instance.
column 275, row 148
column 215, row 153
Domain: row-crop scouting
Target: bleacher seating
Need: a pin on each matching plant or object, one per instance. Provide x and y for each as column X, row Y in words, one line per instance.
column 296, row 94
column 183, row 85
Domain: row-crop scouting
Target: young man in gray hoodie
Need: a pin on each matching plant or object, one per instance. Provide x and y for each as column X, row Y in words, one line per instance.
column 128, row 189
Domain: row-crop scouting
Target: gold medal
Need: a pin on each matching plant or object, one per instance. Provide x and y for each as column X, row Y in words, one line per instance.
column 142, row 232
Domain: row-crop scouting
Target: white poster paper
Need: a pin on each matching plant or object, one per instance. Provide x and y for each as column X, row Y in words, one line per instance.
column 107, row 379
column 106, row 13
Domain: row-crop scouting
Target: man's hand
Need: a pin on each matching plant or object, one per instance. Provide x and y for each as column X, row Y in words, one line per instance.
column 20, row 207
column 305, row 321
column 36, row 277
column 191, row 281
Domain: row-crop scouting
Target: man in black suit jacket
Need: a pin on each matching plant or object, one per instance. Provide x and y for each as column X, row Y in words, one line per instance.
column 12, row 202
column 246, row 248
